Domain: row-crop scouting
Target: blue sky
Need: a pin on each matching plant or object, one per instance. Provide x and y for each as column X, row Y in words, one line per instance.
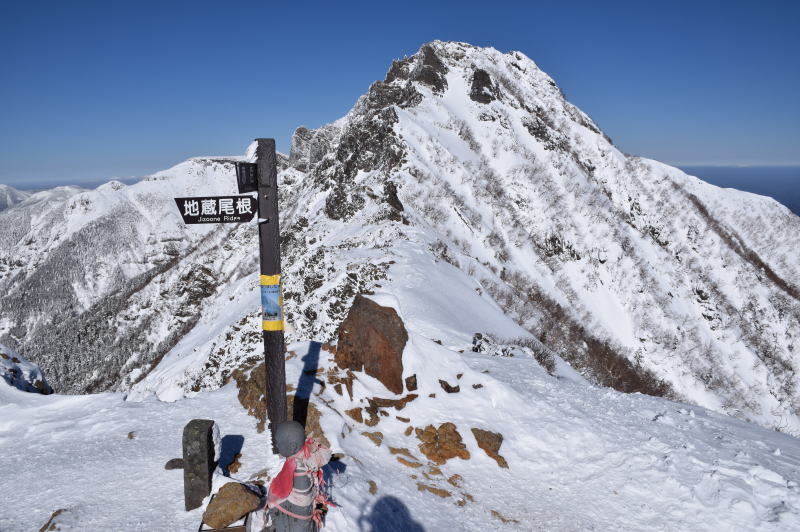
column 92, row 90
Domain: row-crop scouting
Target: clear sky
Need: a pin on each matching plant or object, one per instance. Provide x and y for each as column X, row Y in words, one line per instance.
column 94, row 90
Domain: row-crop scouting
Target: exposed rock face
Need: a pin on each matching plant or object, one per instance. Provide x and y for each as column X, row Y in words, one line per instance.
column 490, row 442
column 433, row 489
column 424, row 67
column 252, row 384
column 310, row 421
column 449, row 388
column 372, row 339
column 442, row 444
column 482, row 89
column 232, row 502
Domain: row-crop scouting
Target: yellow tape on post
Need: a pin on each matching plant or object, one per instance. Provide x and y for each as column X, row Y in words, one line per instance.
column 271, row 303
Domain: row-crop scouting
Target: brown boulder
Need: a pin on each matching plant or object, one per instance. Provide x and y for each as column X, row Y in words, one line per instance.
column 448, row 388
column 232, row 502
column 399, row 404
column 355, row 413
column 441, row 444
column 376, row 437
column 490, row 442
column 372, row 339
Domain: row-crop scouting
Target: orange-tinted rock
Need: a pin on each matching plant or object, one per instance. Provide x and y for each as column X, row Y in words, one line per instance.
column 372, row 339
column 232, row 502
column 355, row 413
column 490, row 442
column 376, row 437
column 441, row 444
column 436, row 491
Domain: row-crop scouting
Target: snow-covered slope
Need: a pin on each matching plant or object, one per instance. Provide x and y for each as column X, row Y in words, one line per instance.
column 579, row 457
column 466, row 165
column 10, row 196
column 640, row 276
column 95, row 284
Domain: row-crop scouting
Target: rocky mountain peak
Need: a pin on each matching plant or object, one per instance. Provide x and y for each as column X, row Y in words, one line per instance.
column 466, row 187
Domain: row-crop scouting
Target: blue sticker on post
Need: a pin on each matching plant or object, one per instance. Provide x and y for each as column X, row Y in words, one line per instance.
column 271, row 303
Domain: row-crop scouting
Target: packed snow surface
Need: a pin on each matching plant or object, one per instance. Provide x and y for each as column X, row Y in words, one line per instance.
column 580, row 457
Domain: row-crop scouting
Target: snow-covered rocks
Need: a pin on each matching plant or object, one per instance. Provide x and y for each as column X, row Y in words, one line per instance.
column 20, row 373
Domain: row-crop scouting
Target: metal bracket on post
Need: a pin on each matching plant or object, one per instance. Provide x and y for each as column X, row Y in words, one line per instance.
column 247, row 177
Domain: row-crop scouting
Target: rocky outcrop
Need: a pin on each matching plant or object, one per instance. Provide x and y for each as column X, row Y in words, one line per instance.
column 490, row 442
column 372, row 339
column 441, row 444
column 232, row 502
column 252, row 384
column 21, row 374
column 482, row 90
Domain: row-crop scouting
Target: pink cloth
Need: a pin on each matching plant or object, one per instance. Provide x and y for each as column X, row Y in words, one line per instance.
column 281, row 486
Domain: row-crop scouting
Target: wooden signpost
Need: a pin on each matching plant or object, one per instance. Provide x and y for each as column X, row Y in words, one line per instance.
column 271, row 298
column 260, row 177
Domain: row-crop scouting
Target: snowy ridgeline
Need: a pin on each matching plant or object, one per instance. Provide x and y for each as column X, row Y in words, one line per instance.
column 476, row 199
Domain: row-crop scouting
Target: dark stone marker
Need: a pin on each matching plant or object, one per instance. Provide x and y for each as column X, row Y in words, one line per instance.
column 198, row 461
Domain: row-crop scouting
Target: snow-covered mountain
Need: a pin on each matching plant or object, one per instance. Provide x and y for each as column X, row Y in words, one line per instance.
column 528, row 259
column 467, row 186
column 10, row 196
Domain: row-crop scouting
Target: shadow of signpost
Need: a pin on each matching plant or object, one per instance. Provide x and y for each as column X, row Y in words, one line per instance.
column 230, row 446
column 389, row 514
column 305, row 385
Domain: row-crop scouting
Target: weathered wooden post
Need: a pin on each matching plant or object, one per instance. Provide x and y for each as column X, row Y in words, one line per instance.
column 198, row 461
column 271, row 297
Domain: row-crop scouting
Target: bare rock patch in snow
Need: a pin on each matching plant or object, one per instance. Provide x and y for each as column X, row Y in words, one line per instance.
column 441, row 444
column 372, row 338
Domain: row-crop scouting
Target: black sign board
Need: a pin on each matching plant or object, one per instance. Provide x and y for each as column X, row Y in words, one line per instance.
column 217, row 209
column 247, row 177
